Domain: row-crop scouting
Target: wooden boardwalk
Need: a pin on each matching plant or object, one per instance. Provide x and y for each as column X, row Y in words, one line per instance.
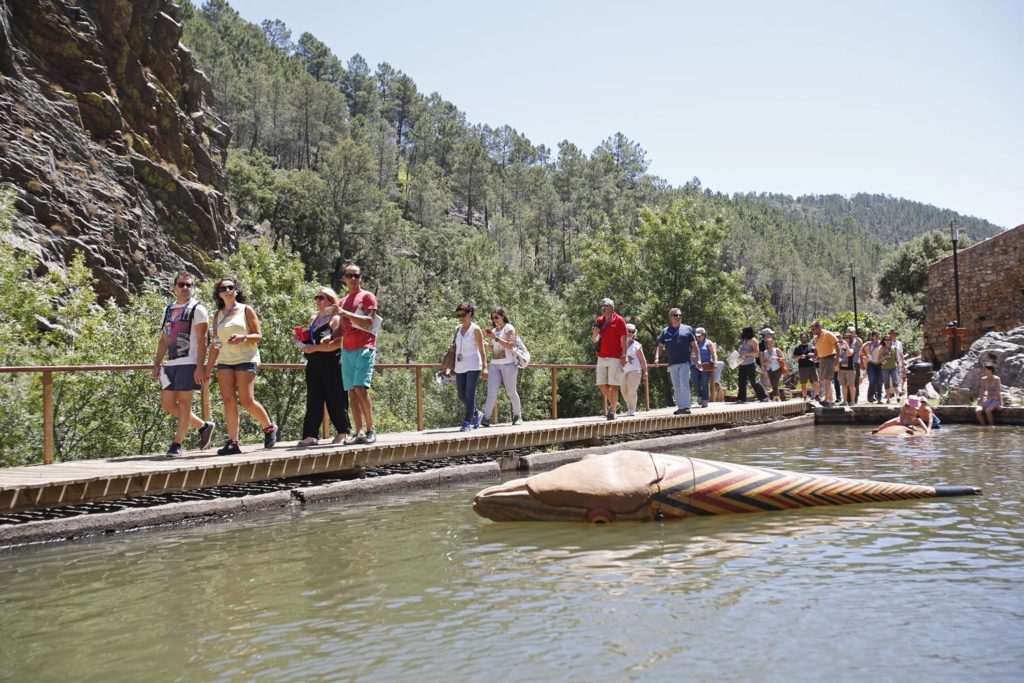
column 69, row 483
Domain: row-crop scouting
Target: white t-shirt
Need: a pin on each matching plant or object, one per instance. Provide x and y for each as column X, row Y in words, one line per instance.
column 633, row 358
column 467, row 353
column 499, row 354
column 183, row 342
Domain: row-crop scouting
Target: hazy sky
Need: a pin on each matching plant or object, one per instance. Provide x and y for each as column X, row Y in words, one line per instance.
column 923, row 100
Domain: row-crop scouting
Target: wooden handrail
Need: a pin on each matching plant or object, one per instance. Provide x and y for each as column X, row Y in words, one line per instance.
column 48, row 371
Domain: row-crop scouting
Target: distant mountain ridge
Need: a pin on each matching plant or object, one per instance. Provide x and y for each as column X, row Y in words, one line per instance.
column 891, row 220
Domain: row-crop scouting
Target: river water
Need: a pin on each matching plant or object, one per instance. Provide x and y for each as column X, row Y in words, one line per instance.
column 417, row 588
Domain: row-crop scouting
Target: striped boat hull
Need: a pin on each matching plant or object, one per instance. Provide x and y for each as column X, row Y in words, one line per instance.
column 659, row 486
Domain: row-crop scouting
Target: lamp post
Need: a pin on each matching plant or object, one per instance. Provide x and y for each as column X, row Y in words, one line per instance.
column 954, row 236
column 856, row 332
column 853, row 278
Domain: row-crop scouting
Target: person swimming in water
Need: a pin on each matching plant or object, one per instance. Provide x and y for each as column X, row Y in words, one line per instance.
column 926, row 414
column 907, row 418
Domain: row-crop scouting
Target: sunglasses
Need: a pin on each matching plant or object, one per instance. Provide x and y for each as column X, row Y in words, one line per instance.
column 183, row 285
column 226, row 288
column 675, row 315
column 496, row 317
column 319, row 297
column 354, row 276
column 461, row 313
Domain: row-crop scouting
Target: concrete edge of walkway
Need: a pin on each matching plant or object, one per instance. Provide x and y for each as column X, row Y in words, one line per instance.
column 204, row 510
column 545, row 461
column 208, row 510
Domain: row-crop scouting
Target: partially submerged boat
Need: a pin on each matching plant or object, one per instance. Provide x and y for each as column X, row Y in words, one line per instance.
column 637, row 485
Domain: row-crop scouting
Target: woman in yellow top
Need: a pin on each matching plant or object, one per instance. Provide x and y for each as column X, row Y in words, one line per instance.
column 236, row 331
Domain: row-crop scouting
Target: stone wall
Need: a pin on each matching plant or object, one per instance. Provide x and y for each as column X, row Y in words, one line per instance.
column 991, row 291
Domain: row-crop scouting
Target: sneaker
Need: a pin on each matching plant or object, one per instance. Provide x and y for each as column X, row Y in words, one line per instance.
column 477, row 418
column 308, row 441
column 371, row 436
column 270, row 436
column 485, row 422
column 340, row 438
column 354, row 439
column 630, row 413
column 683, row 411
column 230, row 448
column 174, row 450
column 205, row 435
column 465, row 427
column 517, row 420
column 703, row 404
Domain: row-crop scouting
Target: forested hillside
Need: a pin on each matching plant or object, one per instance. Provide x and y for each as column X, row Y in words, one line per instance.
column 335, row 161
column 340, row 161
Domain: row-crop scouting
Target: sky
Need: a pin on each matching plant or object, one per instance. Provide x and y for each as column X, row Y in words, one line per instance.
column 922, row 100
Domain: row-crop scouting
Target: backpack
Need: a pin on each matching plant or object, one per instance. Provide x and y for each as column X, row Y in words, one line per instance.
column 521, row 353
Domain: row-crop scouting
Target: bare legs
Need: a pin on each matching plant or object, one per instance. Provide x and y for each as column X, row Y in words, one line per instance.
column 611, row 394
column 179, row 404
column 242, row 382
column 362, row 411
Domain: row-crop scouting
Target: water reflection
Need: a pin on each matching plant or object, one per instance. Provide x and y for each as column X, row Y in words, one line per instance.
column 418, row 588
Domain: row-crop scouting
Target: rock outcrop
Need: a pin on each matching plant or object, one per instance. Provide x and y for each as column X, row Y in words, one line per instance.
column 1005, row 350
column 108, row 138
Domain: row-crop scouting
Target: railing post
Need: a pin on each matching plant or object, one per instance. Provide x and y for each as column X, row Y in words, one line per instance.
column 554, row 393
column 647, row 393
column 204, row 401
column 47, row 417
column 419, row 399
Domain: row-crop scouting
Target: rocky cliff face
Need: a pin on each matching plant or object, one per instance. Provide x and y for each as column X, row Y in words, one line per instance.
column 959, row 378
column 108, row 138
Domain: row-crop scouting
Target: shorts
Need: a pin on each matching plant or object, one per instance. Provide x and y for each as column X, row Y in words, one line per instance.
column 847, row 378
column 357, row 367
column 827, row 368
column 178, row 378
column 807, row 374
column 237, row 367
column 609, row 371
column 989, row 404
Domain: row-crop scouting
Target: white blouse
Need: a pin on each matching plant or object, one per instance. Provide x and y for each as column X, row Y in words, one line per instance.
column 467, row 352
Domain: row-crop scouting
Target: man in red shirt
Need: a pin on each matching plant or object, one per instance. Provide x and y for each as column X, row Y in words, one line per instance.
column 358, row 353
column 609, row 331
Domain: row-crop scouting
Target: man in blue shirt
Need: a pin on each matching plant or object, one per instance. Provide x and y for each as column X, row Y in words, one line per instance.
column 681, row 343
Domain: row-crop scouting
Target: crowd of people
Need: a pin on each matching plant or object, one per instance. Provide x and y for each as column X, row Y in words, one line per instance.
column 340, row 341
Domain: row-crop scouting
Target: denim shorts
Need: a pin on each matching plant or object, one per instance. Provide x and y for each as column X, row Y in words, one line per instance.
column 237, row 367
column 179, row 377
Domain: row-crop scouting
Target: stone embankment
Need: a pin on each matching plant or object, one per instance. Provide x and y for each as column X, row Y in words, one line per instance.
column 877, row 414
column 109, row 141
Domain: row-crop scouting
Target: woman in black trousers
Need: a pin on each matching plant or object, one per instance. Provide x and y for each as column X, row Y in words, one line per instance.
column 749, row 353
column 320, row 340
